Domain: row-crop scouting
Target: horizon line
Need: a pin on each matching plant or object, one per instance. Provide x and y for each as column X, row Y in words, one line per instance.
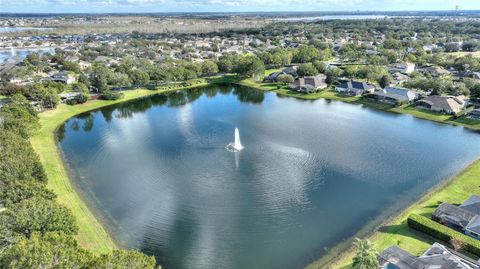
column 236, row 12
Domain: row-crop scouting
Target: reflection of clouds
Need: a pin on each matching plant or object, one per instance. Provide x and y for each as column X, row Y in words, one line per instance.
column 127, row 144
column 284, row 172
column 185, row 122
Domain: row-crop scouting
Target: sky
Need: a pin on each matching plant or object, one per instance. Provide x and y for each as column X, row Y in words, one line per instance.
column 106, row 6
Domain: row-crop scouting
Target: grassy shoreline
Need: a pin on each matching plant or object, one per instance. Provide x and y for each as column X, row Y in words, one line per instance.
column 92, row 234
column 393, row 230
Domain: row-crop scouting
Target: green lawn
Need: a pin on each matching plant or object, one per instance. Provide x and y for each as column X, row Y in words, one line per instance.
column 92, row 234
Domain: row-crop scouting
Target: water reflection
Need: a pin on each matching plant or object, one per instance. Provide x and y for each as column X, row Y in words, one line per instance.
column 311, row 175
column 176, row 99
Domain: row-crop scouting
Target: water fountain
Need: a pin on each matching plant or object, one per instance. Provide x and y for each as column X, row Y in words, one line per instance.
column 12, row 51
column 235, row 146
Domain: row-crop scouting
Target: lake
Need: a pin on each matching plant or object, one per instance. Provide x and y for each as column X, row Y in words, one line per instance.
column 22, row 53
column 14, row 29
column 311, row 175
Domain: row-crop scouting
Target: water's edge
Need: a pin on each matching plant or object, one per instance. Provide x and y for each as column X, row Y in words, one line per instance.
column 339, row 250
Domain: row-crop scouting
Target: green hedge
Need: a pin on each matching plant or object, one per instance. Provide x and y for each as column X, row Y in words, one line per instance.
column 443, row 233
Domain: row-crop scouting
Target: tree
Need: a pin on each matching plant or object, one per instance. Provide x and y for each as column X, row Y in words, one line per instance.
column 99, row 78
column 250, row 66
column 13, row 192
column 138, row 77
column 71, row 66
column 285, row 78
column 38, row 214
column 10, row 89
column 47, row 97
column 366, row 256
column 384, row 81
column 470, row 46
column 306, row 54
column 307, row 70
column 19, row 117
column 119, row 259
column 209, row 67
column 52, row 250
column 452, row 47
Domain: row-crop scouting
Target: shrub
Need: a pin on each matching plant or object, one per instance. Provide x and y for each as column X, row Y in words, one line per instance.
column 110, row 95
column 443, row 233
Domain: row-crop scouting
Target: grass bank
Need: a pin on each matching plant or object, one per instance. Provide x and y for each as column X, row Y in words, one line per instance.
column 91, row 235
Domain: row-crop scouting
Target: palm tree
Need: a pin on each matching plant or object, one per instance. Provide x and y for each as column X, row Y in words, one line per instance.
column 366, row 257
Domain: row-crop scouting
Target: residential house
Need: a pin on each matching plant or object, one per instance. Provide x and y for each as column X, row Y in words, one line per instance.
column 443, row 104
column 474, row 114
column 64, row 77
column 464, row 218
column 437, row 256
column 436, row 71
column 399, row 78
column 404, row 68
column 292, row 71
column 394, row 95
column 309, row 84
column 355, row 88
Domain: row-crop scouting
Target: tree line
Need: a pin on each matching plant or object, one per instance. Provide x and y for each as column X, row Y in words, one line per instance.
column 35, row 230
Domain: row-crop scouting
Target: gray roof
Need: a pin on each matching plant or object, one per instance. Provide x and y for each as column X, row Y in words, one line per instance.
column 436, row 257
column 448, row 103
column 398, row 94
column 316, row 81
column 355, row 86
column 472, row 204
column 474, row 225
column 400, row 258
column 440, row 257
column 453, row 214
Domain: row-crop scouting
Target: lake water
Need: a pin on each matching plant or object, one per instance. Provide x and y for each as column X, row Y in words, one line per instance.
column 312, row 173
column 13, row 29
column 22, row 53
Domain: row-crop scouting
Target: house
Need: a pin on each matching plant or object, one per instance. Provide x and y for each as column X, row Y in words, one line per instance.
column 355, row 88
column 436, row 71
column 64, row 77
column 400, row 78
column 292, row 71
column 437, row 256
column 474, row 114
column 443, row 104
column 404, row 68
column 309, row 84
column 464, row 218
column 394, row 95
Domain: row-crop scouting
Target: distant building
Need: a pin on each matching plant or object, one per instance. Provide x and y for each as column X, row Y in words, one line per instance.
column 443, row 104
column 404, row 68
column 437, row 256
column 354, row 88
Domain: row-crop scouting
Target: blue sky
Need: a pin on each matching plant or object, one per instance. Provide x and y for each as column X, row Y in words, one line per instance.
column 75, row 6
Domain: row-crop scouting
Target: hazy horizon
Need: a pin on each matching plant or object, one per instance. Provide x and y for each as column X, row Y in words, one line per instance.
column 229, row 6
